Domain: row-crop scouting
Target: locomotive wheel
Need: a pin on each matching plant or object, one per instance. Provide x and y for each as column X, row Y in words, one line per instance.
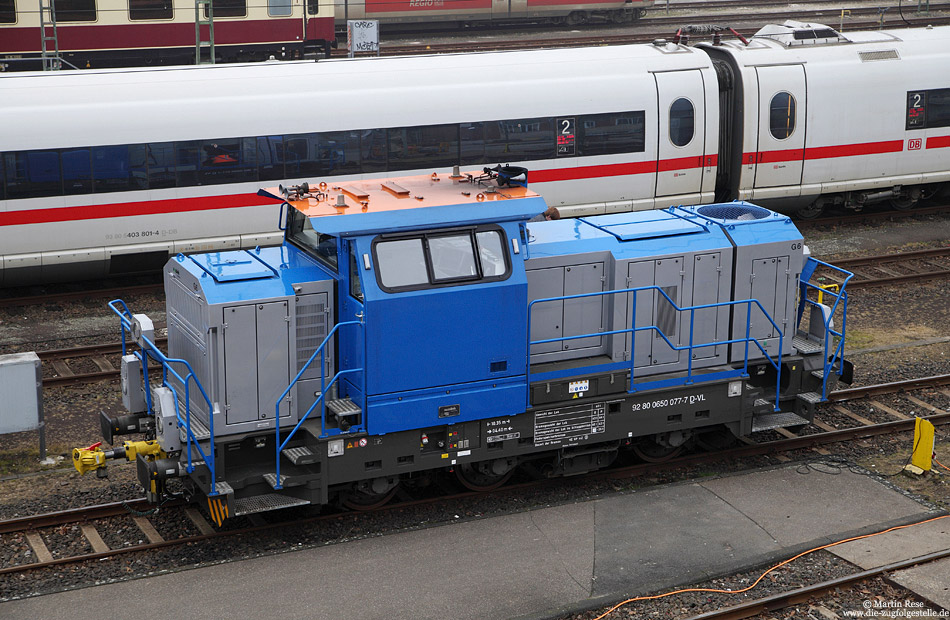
column 360, row 500
column 475, row 478
column 652, row 452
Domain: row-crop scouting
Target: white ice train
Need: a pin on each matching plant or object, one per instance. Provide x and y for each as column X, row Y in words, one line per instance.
column 110, row 171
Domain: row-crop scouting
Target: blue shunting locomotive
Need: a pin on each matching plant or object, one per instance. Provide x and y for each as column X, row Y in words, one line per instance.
column 423, row 323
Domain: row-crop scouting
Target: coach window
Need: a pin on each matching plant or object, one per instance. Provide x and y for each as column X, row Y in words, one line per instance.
column 186, row 163
column 278, row 8
column 520, row 140
column 150, row 9
column 160, row 158
column 338, row 152
column 373, row 150
column 782, row 116
column 119, row 168
column 7, row 11
column 471, row 144
column 270, row 158
column 681, row 122
column 428, row 146
column 229, row 160
column 76, row 10
column 31, row 174
column 938, row 108
column 605, row 134
column 77, row 171
column 228, row 8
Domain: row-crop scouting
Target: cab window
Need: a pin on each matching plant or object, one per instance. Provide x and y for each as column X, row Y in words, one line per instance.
column 300, row 232
column 441, row 258
column 356, row 289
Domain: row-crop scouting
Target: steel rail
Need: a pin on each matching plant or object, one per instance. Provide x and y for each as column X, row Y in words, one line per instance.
column 73, row 515
column 801, row 595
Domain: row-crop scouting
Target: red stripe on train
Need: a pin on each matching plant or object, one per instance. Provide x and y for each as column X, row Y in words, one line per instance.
column 823, row 152
column 126, row 209
column 938, row 142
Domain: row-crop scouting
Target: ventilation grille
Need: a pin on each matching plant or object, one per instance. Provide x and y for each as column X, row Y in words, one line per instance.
column 311, row 330
column 734, row 212
column 666, row 313
column 881, row 55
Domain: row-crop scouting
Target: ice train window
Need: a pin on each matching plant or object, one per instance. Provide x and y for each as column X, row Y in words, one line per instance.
column 452, row 257
column 7, row 16
column 782, row 116
column 681, row 122
column 401, row 263
column 150, row 9
column 615, row 132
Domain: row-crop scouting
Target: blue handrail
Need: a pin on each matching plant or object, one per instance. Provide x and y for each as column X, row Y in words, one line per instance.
column 149, row 350
column 689, row 379
column 841, row 301
column 320, row 400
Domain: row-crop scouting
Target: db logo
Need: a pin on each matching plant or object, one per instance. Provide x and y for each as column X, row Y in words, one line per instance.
column 914, row 144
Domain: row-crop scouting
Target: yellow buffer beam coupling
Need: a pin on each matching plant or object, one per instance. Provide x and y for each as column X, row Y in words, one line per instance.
column 94, row 457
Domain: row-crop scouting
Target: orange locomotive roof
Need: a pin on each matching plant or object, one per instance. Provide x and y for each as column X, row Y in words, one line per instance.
column 394, row 194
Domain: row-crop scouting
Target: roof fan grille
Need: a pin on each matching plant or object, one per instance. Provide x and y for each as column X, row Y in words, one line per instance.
column 733, row 212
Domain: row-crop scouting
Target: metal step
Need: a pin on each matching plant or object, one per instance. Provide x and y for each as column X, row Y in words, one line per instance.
column 264, row 503
column 285, row 480
column 300, row 456
column 806, row 345
column 818, row 374
column 781, row 419
column 341, row 407
column 811, row 398
column 223, row 488
column 198, row 428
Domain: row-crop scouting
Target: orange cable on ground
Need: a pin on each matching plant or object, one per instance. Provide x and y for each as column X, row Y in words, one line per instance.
column 762, row 576
column 941, row 464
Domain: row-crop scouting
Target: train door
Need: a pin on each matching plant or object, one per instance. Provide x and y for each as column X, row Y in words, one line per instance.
column 352, row 309
column 503, row 9
column 781, row 130
column 682, row 123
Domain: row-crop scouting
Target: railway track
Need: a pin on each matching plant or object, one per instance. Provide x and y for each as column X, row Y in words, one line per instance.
column 87, row 525
column 664, row 28
column 899, row 268
column 83, row 364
